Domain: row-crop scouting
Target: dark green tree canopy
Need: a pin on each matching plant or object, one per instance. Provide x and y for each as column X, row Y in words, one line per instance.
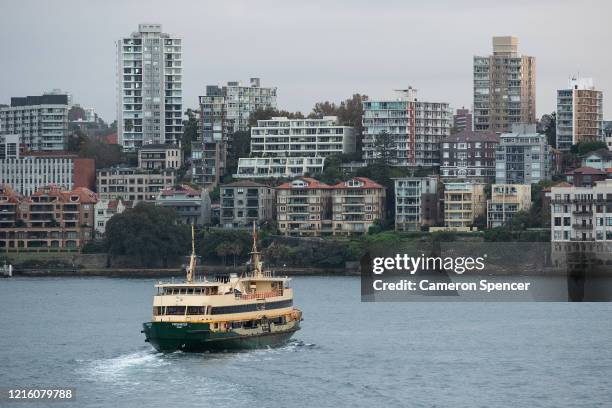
column 585, row 147
column 149, row 232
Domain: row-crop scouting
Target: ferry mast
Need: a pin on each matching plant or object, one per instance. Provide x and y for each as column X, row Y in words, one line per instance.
column 256, row 255
column 192, row 258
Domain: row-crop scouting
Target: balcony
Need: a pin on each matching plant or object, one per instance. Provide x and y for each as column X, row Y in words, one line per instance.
column 582, row 226
column 584, row 213
column 579, row 239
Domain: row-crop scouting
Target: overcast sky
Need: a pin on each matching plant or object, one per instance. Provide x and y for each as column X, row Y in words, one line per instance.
column 311, row 50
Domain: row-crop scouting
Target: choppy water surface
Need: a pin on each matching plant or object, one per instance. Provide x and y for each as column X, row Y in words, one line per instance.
column 85, row 333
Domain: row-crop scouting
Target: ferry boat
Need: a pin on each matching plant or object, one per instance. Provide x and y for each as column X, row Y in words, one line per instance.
column 232, row 312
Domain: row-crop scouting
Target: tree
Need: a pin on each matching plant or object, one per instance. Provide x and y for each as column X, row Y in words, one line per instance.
column 480, row 222
column 585, row 147
column 269, row 113
column 223, row 250
column 275, row 253
column 536, row 211
column 190, row 131
column 349, row 113
column 76, row 113
column 384, row 174
column 75, row 141
column 385, row 149
column 324, row 109
column 379, row 226
column 147, row 232
column 240, row 147
column 548, row 126
column 332, row 172
column 520, row 221
column 105, row 155
column 235, row 249
column 211, row 239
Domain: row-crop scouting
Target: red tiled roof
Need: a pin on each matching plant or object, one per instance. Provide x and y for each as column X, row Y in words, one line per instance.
column 367, row 183
column 182, row 189
column 86, row 196
column 311, row 184
column 12, row 195
column 468, row 135
column 585, row 170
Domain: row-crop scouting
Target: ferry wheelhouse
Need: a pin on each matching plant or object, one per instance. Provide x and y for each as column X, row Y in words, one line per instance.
column 252, row 310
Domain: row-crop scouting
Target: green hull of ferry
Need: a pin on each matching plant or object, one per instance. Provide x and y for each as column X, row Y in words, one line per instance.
column 197, row 337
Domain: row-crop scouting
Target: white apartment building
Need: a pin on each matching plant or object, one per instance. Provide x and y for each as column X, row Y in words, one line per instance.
column 104, row 211
column 278, row 167
column 581, row 213
column 608, row 134
column 522, row 156
column 40, row 121
column 224, row 111
column 244, row 202
column 149, row 88
column 294, row 147
column 599, row 159
column 417, row 202
column 415, row 129
column 27, row 174
column 241, row 100
column 579, row 113
column 192, row 206
column 9, row 147
column 160, row 156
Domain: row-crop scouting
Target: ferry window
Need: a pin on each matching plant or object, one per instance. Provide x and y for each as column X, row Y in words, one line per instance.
column 195, row 310
column 190, row 291
column 236, row 325
column 175, row 310
column 250, row 324
column 157, row 310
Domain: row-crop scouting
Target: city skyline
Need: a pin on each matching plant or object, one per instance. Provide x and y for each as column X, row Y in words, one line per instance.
column 310, row 53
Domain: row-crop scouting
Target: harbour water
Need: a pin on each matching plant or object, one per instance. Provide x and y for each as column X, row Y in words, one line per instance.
column 85, row 333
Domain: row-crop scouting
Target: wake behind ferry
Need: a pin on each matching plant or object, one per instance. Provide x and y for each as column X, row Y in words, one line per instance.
column 232, row 312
